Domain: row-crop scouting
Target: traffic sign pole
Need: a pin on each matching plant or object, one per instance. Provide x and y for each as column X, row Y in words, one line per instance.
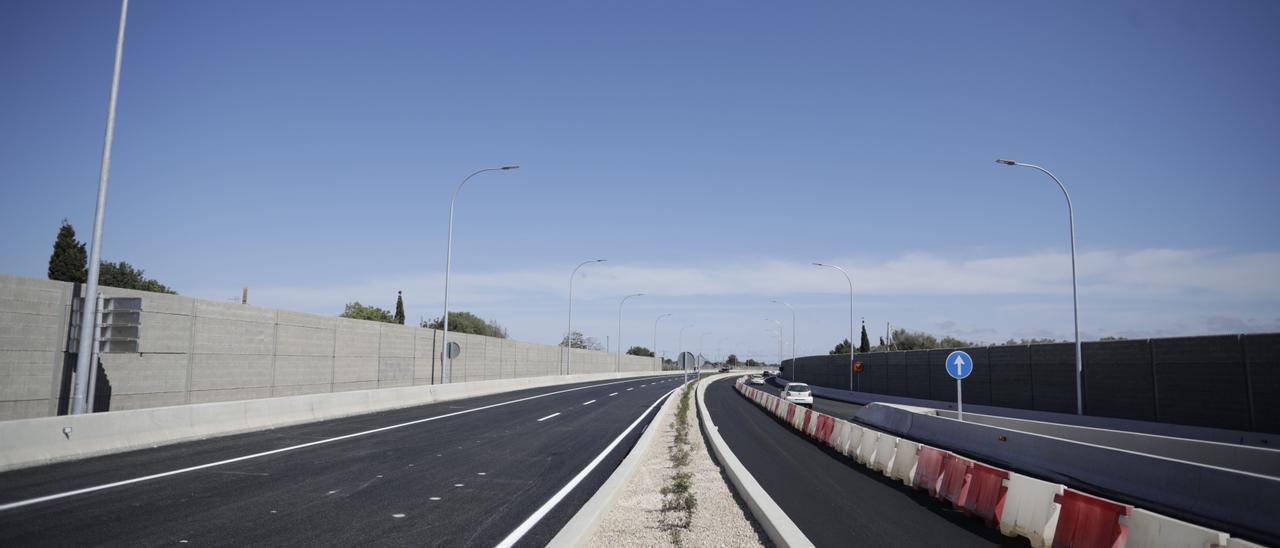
column 959, row 365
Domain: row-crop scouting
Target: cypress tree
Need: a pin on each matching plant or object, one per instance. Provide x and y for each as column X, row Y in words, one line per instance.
column 68, row 263
column 399, row 308
column 866, row 343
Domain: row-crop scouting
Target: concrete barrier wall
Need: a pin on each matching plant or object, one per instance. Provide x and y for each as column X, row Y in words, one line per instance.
column 1222, row 381
column 196, row 351
column 32, row 442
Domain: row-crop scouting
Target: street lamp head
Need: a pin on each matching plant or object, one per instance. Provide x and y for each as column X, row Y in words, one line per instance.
column 600, row 260
column 1007, row 162
column 819, row 264
column 509, row 168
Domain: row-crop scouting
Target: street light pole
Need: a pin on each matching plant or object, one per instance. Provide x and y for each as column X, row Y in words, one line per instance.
column 850, row 280
column 618, row 367
column 680, row 350
column 447, row 361
column 1075, row 304
column 84, row 349
column 795, row 366
column 655, row 339
column 568, row 350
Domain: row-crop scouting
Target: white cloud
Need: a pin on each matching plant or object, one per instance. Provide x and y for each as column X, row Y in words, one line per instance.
column 1020, row 295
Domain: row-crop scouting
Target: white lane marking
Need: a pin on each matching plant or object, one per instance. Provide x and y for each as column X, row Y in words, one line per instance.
column 397, row 516
column 537, row 516
column 479, row 473
column 96, row 488
column 547, row 417
column 434, row 498
column 457, row 485
column 630, row 389
column 614, row 394
column 590, row 402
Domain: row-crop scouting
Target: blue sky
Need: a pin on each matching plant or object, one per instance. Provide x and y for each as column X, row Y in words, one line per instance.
column 709, row 150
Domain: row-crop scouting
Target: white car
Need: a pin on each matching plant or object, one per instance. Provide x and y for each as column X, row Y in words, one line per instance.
column 798, row 393
column 755, row 379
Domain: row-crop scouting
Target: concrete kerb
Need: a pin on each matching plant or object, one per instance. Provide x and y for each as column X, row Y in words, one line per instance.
column 33, row 442
column 781, row 530
column 587, row 520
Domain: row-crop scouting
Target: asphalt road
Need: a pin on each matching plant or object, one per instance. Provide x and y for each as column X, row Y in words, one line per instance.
column 834, row 500
column 468, row 477
column 838, row 409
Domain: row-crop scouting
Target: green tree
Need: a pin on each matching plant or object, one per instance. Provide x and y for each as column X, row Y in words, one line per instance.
column 1112, row 338
column 640, row 351
column 913, row 340
column 1031, row 341
column 732, row 359
column 399, row 317
column 952, row 342
column 125, row 276
column 578, row 340
column 357, row 311
column 466, row 322
column 865, row 346
column 842, row 348
column 68, row 261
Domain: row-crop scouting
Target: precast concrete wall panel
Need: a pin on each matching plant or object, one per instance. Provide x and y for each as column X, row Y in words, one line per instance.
column 1010, row 376
column 223, row 371
column 1202, row 381
column 1053, row 377
column 193, row 351
column 876, row 370
column 1118, row 380
column 145, row 373
column 1262, row 361
column 303, row 370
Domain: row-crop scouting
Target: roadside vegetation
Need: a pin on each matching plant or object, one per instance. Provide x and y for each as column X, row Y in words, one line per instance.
column 678, row 501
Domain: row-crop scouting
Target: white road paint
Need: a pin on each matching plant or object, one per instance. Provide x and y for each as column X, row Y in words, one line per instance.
column 630, row 389
column 542, row 511
column 479, row 473
column 614, row 394
column 589, row 403
column 547, row 417
column 434, row 498
column 397, row 516
column 86, row 490
column 457, row 485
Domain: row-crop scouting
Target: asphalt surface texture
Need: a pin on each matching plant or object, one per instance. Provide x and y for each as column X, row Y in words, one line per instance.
column 832, row 499
column 464, row 479
column 838, row 409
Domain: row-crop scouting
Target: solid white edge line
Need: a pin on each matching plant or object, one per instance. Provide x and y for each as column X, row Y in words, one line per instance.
column 86, row 490
column 547, row 417
column 542, row 511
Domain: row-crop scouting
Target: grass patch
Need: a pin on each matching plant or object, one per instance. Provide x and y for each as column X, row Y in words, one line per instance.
column 678, row 501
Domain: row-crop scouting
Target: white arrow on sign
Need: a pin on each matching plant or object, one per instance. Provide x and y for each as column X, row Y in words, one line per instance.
column 959, row 364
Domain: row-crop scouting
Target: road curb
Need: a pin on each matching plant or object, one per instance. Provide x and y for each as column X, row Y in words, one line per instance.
column 781, row 530
column 584, row 523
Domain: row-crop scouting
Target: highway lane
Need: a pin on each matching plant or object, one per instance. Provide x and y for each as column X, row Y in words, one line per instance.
column 458, row 473
column 838, row 409
column 833, row 500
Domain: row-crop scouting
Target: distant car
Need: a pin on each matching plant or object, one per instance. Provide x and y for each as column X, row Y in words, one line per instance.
column 766, row 374
column 724, row 369
column 756, row 379
column 798, row 393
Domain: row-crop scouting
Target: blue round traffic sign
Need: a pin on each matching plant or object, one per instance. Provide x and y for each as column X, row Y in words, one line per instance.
column 959, row 364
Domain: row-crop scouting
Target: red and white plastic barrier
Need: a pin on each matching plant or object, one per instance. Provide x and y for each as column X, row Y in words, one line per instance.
column 1047, row 514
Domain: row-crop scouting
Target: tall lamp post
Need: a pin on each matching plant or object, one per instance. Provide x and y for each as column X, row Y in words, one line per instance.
column 448, row 265
column 1075, row 304
column 655, row 340
column 618, row 367
column 84, row 349
column 568, row 350
column 850, row 280
column 795, row 366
